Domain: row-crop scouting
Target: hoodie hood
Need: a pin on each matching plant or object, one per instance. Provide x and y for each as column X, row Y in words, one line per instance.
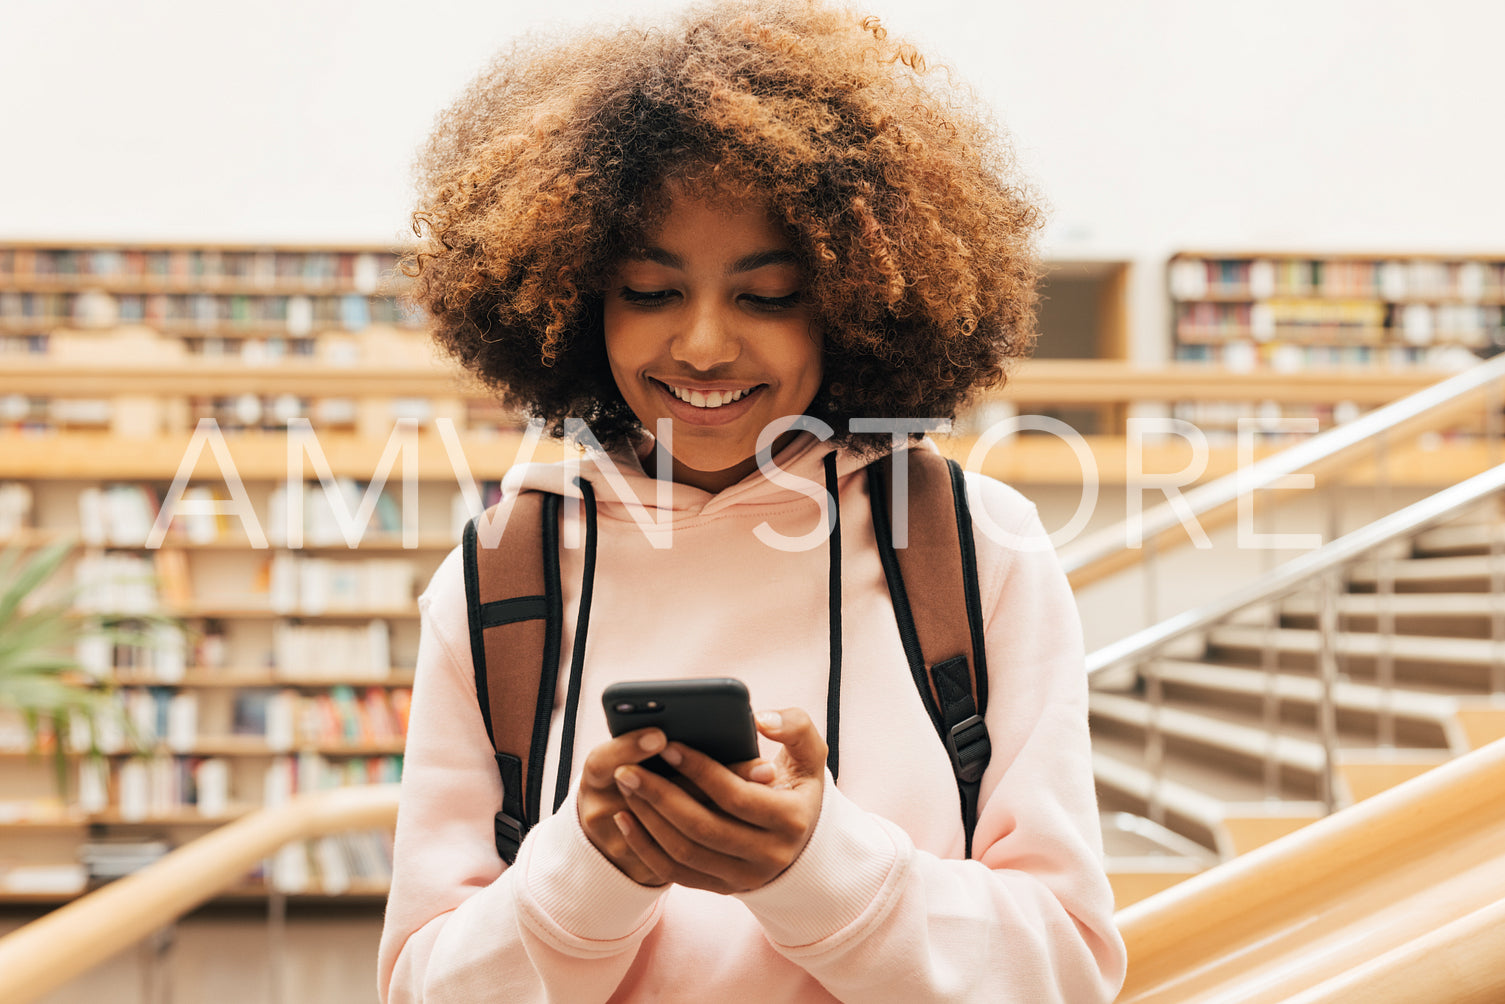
column 619, row 481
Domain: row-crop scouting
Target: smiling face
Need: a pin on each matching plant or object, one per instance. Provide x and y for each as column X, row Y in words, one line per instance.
column 706, row 326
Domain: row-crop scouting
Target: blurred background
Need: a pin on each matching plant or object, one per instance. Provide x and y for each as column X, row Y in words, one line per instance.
column 1150, row 127
column 1264, row 218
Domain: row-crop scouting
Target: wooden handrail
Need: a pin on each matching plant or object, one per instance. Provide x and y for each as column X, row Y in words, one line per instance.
column 1459, row 963
column 1348, row 900
column 57, row 947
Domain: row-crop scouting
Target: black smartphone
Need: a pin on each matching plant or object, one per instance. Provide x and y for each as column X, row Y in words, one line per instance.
column 709, row 714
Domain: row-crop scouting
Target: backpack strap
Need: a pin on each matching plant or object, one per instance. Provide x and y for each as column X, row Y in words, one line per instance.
column 514, row 608
column 931, row 581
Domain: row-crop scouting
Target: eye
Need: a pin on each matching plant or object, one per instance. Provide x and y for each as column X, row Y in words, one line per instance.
column 646, row 298
column 774, row 303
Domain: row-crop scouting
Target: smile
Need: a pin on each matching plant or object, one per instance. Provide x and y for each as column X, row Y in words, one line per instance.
column 708, row 399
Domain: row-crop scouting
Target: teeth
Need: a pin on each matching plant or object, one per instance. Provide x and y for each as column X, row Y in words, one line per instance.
column 714, row 399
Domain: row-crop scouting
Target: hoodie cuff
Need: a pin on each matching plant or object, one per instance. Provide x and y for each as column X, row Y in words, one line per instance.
column 576, row 887
column 840, row 873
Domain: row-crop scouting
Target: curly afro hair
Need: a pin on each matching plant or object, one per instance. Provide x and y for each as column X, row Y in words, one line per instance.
column 898, row 193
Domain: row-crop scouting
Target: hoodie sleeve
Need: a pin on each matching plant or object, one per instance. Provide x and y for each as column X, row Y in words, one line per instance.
column 561, row 924
column 1030, row 917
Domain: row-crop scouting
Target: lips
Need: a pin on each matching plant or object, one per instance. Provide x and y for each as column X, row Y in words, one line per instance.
column 708, row 405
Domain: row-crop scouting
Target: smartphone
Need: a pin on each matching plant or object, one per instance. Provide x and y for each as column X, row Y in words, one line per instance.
column 709, row 714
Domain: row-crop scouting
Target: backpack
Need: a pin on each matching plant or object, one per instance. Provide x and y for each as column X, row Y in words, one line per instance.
column 514, row 608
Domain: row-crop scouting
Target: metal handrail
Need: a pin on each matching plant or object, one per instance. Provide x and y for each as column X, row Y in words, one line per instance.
column 1298, row 572
column 1439, row 402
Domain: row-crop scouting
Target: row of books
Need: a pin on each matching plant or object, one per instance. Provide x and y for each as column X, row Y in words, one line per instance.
column 23, row 412
column 297, row 315
column 1261, row 417
column 1383, row 279
column 15, row 508
column 272, row 412
column 165, row 787
column 299, row 652
column 288, row 719
column 157, row 787
column 359, row 861
column 161, row 718
column 1246, row 355
column 35, row 344
column 291, row 774
column 334, row 865
column 321, row 651
column 158, row 650
column 1369, row 321
column 122, row 514
column 299, row 584
column 362, row 271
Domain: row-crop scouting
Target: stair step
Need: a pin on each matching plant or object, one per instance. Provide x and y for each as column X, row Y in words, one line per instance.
column 1135, row 881
column 1212, row 730
column 1416, row 648
column 1249, row 827
column 1226, row 813
column 1425, row 571
column 1430, row 718
column 1456, row 538
column 1482, row 721
column 1366, row 774
column 1184, row 804
column 1434, row 605
column 1195, row 774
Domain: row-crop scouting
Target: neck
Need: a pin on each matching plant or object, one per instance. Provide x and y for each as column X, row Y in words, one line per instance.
column 713, row 482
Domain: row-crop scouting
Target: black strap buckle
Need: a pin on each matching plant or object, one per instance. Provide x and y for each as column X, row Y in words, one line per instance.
column 509, row 836
column 969, row 747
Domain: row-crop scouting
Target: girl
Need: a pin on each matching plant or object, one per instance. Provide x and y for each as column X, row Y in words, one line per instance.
column 703, row 241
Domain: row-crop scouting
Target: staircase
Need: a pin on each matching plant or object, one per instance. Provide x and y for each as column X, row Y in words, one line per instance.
column 1241, row 736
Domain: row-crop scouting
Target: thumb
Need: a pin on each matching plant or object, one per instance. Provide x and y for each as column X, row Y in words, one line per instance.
column 804, row 750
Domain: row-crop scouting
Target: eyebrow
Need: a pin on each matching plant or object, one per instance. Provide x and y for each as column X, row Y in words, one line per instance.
column 747, row 263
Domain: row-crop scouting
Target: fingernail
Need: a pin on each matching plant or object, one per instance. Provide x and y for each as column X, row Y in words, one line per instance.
column 627, row 778
column 770, row 719
column 652, row 742
column 673, row 756
column 622, row 824
column 762, row 773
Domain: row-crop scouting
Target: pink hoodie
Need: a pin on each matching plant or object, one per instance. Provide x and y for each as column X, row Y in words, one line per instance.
column 879, row 906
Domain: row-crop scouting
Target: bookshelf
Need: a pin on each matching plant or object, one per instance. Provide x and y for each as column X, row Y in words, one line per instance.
column 1295, row 311
column 1288, row 313
column 281, row 668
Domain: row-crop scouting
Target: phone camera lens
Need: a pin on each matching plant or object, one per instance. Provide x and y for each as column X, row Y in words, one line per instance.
column 626, row 707
column 652, row 705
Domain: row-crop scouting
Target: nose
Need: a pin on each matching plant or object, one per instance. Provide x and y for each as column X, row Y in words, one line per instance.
column 709, row 339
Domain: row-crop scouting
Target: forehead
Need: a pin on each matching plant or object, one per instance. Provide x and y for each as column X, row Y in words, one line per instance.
column 714, row 227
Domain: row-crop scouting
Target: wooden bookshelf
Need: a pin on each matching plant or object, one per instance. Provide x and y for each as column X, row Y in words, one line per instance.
column 1289, row 311
column 110, row 355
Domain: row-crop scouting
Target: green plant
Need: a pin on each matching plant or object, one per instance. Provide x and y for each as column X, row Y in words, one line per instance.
column 40, row 677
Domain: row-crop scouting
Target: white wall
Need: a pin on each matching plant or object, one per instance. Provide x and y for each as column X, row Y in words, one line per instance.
column 1150, row 126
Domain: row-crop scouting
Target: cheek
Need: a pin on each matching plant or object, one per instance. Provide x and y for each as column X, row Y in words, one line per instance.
column 621, row 345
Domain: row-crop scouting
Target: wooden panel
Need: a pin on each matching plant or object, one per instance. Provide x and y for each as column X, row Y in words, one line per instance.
column 1248, row 831
column 1132, row 885
column 1365, row 775
column 1482, row 724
